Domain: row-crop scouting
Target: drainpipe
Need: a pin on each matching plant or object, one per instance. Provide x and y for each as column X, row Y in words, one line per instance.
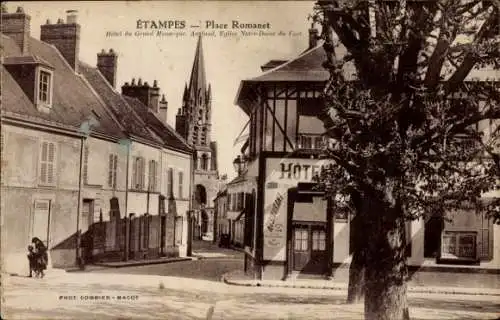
column 190, row 207
column 78, row 210
column 127, row 234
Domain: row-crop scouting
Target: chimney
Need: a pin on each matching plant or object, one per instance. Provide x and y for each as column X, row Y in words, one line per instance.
column 313, row 36
column 17, row 26
column 107, row 65
column 163, row 109
column 148, row 95
column 65, row 37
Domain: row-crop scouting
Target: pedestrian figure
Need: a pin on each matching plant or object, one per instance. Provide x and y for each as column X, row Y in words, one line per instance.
column 32, row 261
column 41, row 255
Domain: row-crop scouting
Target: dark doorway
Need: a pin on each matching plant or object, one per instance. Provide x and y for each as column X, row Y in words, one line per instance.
column 432, row 236
column 204, row 222
column 200, row 196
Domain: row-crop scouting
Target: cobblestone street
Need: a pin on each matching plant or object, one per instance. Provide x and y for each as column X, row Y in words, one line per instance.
column 127, row 296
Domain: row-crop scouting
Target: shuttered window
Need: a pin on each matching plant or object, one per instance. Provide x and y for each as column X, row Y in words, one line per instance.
column 152, row 175
column 85, row 168
column 138, row 173
column 47, row 163
column 112, row 170
column 181, row 182
column 170, row 182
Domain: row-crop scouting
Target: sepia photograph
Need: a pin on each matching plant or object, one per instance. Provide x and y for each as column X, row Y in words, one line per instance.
column 328, row 159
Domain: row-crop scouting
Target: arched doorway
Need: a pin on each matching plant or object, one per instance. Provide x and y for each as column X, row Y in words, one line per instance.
column 200, row 196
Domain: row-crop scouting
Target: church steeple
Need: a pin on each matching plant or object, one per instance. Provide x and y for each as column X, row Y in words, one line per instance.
column 198, row 82
column 193, row 120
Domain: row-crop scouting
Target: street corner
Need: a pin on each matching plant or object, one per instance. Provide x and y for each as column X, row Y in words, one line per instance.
column 239, row 278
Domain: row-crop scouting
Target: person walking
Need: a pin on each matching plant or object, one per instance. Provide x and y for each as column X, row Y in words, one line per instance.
column 41, row 254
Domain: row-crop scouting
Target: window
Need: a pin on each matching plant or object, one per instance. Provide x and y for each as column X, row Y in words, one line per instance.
column 138, row 173
column 112, row 169
column 47, row 163
column 181, row 187
column 318, row 240
column 204, row 162
column 152, row 175
column 456, row 245
column 85, row 168
column 44, row 87
column 170, row 182
column 301, row 239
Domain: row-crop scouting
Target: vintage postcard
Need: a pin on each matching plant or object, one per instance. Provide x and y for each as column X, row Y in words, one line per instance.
column 250, row 160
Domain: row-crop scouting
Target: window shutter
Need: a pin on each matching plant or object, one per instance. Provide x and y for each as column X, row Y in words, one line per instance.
column 180, row 184
column 43, row 163
column 85, row 164
column 143, row 173
column 110, row 170
column 115, row 169
column 134, row 173
column 50, row 163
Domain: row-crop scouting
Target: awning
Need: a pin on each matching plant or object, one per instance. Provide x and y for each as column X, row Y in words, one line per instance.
column 233, row 215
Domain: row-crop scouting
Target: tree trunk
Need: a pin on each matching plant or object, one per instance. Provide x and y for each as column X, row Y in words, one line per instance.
column 386, row 269
column 355, row 291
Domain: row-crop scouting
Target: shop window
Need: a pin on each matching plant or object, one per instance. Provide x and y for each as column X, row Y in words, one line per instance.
column 301, row 239
column 318, row 240
column 458, row 245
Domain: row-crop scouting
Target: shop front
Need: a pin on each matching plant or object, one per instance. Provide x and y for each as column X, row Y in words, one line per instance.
column 297, row 227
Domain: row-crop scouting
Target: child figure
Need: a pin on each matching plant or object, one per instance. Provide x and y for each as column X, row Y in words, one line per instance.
column 32, row 260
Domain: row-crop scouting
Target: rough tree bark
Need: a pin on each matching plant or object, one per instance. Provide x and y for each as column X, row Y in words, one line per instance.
column 386, row 270
column 355, row 290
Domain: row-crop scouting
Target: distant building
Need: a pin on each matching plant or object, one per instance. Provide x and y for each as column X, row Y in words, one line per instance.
column 194, row 123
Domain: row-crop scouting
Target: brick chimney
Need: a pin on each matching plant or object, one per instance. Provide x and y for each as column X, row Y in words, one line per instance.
column 17, row 26
column 107, row 65
column 65, row 37
column 313, row 37
column 148, row 95
column 163, row 109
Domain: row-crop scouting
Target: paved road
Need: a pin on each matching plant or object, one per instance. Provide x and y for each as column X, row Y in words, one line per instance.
column 157, row 297
column 206, row 269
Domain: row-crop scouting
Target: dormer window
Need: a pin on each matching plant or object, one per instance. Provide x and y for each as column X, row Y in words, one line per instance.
column 44, row 88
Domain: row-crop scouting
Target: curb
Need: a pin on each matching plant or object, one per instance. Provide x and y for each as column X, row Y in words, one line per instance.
column 141, row 263
column 225, row 280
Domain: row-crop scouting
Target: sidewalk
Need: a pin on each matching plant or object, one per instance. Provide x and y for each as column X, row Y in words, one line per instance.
column 238, row 278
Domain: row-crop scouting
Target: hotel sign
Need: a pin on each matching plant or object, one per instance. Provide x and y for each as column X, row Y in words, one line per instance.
column 281, row 175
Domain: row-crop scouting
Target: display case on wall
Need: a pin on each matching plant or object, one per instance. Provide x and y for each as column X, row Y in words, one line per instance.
column 459, row 245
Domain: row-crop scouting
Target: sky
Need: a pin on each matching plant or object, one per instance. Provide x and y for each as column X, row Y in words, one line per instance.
column 168, row 59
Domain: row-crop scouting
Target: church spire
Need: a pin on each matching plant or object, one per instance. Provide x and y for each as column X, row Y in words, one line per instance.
column 198, row 81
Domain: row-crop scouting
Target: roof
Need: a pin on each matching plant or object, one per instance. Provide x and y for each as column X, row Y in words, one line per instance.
column 123, row 112
column 307, row 67
column 26, row 60
column 73, row 103
column 198, row 80
column 170, row 138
